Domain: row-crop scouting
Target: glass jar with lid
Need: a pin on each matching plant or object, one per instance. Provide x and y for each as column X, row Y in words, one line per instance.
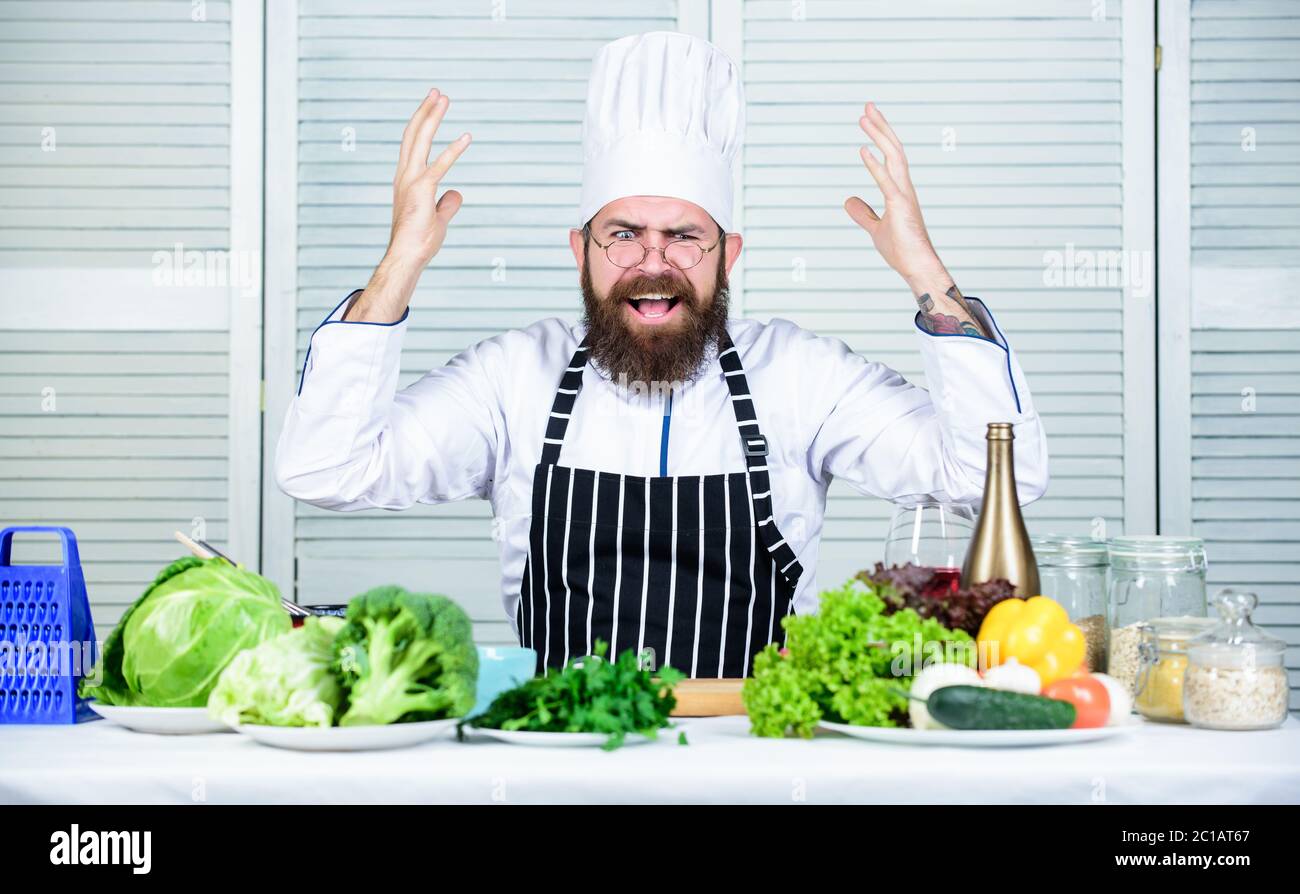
column 1162, row 663
column 1150, row 577
column 1236, row 676
column 1072, row 571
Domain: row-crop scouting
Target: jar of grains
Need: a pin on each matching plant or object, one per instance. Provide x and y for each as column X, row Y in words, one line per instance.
column 1072, row 570
column 1162, row 662
column 1236, row 678
column 1150, row 577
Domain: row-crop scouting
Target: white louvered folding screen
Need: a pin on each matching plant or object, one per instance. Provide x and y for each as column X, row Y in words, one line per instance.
column 116, row 388
column 1245, row 318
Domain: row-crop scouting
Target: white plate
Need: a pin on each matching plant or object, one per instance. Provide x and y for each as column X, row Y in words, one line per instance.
column 573, row 740
column 161, row 721
column 348, row 738
column 981, row 738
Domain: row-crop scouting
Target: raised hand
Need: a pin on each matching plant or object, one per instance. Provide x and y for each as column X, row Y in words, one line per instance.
column 900, row 235
column 420, row 217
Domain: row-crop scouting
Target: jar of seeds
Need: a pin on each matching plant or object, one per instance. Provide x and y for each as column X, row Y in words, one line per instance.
column 1072, row 570
column 1235, row 678
column 1150, row 577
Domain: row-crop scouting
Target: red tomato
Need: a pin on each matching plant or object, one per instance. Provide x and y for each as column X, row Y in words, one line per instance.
column 1089, row 696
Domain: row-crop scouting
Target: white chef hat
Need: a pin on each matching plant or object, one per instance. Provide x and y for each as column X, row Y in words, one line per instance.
column 665, row 117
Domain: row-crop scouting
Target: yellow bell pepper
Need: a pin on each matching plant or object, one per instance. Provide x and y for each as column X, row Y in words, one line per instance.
column 1036, row 632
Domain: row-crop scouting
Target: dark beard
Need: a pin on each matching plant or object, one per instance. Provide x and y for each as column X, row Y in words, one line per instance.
column 653, row 359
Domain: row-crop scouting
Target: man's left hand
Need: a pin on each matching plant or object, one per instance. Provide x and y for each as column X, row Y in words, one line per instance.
column 900, row 235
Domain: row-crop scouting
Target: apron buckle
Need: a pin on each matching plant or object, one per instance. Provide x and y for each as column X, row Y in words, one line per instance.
column 754, row 445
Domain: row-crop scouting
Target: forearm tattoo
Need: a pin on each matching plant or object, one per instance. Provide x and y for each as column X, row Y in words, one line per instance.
column 946, row 324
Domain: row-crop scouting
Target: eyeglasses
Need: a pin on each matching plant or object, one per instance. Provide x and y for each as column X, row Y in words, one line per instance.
column 682, row 254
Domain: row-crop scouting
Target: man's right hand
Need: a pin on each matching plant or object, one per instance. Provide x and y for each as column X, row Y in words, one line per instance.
column 420, row 218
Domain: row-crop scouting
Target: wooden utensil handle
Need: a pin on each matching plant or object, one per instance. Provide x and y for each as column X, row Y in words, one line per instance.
column 192, row 546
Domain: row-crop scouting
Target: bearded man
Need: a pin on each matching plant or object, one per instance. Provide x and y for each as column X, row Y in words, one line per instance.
column 658, row 472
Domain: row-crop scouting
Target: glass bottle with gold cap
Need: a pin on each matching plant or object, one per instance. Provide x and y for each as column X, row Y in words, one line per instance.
column 1000, row 547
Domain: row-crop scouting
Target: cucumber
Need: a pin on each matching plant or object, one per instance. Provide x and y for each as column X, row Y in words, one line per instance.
column 974, row 707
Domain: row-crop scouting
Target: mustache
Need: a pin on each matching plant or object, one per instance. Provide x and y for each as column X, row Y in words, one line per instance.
column 662, row 283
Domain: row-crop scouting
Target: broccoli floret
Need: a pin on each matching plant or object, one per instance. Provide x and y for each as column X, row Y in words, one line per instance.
column 405, row 657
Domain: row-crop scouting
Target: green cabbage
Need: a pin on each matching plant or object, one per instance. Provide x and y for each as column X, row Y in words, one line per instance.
column 286, row 681
column 173, row 643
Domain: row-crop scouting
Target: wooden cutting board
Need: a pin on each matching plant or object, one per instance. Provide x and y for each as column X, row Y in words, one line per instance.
column 708, row 698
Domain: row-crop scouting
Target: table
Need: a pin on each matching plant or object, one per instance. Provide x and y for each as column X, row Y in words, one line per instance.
column 101, row 763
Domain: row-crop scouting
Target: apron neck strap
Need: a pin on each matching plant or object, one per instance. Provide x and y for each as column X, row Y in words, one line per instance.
column 562, row 407
column 754, row 447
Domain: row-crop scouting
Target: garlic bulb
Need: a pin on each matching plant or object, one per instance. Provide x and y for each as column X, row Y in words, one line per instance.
column 935, row 677
column 1014, row 677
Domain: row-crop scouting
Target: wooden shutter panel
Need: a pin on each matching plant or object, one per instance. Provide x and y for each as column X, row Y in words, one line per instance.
column 1245, row 254
column 115, row 393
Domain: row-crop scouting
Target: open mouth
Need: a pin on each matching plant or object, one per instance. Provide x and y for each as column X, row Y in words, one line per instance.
column 653, row 308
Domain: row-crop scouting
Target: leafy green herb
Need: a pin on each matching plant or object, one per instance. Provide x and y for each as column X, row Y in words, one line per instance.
column 850, row 662
column 589, row 695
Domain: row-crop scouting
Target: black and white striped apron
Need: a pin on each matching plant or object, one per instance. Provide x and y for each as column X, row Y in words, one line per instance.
column 690, row 566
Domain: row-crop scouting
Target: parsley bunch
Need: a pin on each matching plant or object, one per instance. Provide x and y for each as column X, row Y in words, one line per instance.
column 590, row 695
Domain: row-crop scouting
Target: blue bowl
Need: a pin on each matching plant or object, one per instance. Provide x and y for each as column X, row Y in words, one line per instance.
column 501, row 668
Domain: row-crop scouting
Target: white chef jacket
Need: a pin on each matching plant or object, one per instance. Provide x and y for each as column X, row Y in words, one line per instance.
column 473, row 428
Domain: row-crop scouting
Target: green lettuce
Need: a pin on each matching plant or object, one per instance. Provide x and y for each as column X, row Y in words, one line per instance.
column 173, row 643
column 286, row 681
column 848, row 663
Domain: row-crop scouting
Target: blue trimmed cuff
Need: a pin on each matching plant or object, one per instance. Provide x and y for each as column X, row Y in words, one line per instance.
column 336, row 316
column 982, row 313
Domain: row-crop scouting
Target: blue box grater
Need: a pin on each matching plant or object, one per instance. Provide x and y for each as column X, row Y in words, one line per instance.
column 47, row 637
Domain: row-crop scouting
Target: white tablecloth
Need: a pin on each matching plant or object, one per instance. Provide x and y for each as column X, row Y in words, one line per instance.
column 99, row 762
